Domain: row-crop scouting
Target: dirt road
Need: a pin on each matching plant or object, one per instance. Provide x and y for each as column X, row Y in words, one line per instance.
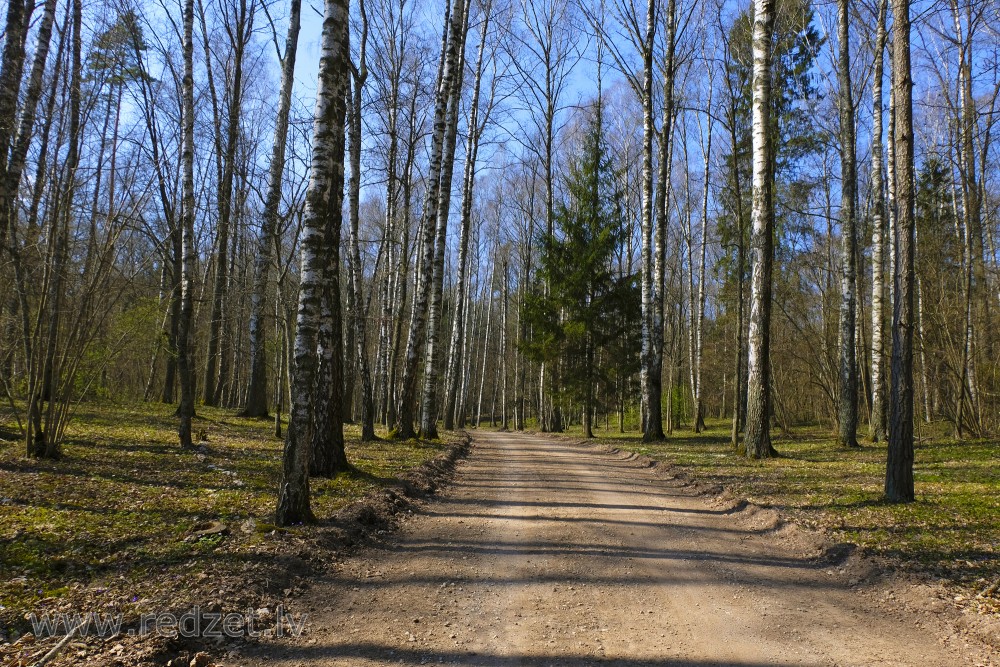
column 545, row 553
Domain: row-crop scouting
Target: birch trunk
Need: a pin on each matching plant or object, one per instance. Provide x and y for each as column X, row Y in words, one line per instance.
column 878, row 416
column 293, row 493
column 848, row 413
column 256, row 402
column 649, row 373
column 328, row 455
column 456, row 62
column 10, row 87
column 359, row 316
column 758, row 436
column 504, row 298
column 455, row 357
column 448, row 67
column 699, row 410
column 185, row 361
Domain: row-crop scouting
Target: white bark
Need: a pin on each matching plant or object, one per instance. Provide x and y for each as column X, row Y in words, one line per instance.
column 878, row 417
column 328, row 122
column 848, row 413
column 758, row 437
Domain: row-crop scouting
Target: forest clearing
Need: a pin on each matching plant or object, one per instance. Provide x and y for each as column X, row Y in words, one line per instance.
column 641, row 332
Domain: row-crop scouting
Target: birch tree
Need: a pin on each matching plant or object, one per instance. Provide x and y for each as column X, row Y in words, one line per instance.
column 475, row 131
column 878, row 416
column 327, row 162
column 256, row 401
column 758, row 436
column 359, row 73
column 848, row 413
column 185, row 361
column 428, row 401
column 450, row 62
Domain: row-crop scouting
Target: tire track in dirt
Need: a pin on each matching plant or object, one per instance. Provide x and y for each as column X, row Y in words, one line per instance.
column 542, row 552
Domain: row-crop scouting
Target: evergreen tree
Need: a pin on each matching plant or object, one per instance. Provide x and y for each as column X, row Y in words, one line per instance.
column 589, row 307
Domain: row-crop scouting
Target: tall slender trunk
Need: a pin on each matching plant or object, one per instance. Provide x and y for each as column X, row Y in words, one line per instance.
column 739, row 387
column 504, row 299
column 848, row 413
column 217, row 368
column 699, row 410
column 10, row 87
column 758, row 435
column 663, row 195
column 430, row 218
column 185, row 360
column 650, row 376
column 455, row 359
column 488, row 300
column 879, row 414
column 256, row 402
column 429, row 396
column 12, row 167
column 327, row 161
column 892, row 201
column 924, row 384
column 359, row 317
column 972, row 238
column 899, row 464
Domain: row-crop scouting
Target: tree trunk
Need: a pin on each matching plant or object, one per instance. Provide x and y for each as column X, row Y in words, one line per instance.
column 327, row 162
column 328, row 455
column 649, row 371
column 216, row 356
column 878, row 416
column 12, row 168
column 360, row 316
column 430, row 218
column 256, row 402
column 848, row 413
column 185, row 352
column 10, row 87
column 758, row 435
column 899, row 464
column 455, row 357
column 456, row 62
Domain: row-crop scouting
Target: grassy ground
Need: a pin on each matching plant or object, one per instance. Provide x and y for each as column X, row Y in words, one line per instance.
column 952, row 531
column 116, row 513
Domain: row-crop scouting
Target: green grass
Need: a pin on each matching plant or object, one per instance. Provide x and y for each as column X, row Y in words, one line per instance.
column 952, row 531
column 116, row 510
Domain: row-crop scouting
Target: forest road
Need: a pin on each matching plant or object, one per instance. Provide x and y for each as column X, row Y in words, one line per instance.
column 543, row 552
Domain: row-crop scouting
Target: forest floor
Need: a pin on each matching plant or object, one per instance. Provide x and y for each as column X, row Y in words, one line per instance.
column 126, row 523
column 950, row 535
column 545, row 551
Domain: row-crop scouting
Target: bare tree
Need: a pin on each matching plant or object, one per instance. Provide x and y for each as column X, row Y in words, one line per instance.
column 758, row 435
column 899, row 466
column 327, row 162
column 878, row 416
column 431, row 219
column 256, row 401
column 475, row 132
column 185, row 362
column 848, row 413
